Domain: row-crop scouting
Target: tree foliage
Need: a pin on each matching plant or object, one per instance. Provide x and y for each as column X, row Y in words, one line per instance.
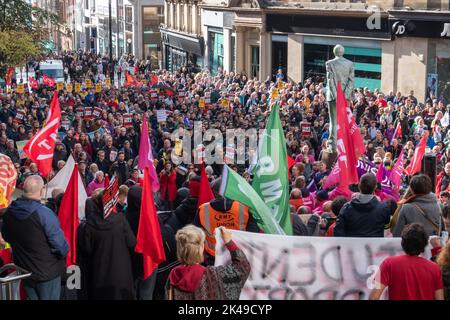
column 23, row 30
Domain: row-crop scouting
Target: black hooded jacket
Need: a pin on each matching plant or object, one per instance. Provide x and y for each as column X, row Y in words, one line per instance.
column 107, row 244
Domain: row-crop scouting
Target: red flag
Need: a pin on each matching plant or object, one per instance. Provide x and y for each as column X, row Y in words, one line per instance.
column 154, row 79
column 40, row 147
column 107, row 180
column 396, row 174
column 149, row 240
column 290, row 163
column 380, row 173
column 9, row 76
column 205, row 194
column 347, row 148
column 33, row 83
column 416, row 162
column 129, row 79
column 68, row 216
column 48, row 81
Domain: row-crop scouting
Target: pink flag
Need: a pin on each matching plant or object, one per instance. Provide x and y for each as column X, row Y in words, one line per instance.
column 146, row 155
column 396, row 174
column 348, row 148
column 333, row 178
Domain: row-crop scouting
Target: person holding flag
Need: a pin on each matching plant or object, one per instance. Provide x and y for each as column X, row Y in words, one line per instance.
column 144, row 221
column 107, row 243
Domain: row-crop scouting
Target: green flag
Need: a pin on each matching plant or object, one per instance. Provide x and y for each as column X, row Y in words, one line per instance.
column 270, row 175
column 235, row 187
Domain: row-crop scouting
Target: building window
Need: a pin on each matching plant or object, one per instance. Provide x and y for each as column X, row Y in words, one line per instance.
column 255, row 61
column 367, row 63
column 151, row 19
column 215, row 51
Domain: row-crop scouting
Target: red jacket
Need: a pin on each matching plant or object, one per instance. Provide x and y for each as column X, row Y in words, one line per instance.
column 168, row 185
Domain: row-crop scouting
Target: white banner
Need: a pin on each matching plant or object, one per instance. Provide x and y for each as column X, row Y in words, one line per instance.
column 61, row 181
column 309, row 268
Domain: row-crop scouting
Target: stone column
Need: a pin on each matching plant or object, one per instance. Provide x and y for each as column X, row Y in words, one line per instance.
column 240, row 49
column 166, row 14
column 265, row 54
column 178, row 23
column 186, row 17
column 172, row 15
column 295, row 63
column 227, row 49
column 194, row 13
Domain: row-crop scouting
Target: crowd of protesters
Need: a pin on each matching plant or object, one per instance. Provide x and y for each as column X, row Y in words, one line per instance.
column 101, row 131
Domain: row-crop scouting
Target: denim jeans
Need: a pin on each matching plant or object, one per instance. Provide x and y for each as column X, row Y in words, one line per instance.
column 46, row 290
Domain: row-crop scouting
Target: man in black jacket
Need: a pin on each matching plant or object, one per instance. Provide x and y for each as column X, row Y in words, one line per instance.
column 365, row 215
column 37, row 241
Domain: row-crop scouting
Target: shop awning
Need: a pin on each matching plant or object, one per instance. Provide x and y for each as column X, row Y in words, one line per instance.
column 183, row 41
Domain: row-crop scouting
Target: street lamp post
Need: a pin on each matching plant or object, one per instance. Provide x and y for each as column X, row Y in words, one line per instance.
column 111, row 72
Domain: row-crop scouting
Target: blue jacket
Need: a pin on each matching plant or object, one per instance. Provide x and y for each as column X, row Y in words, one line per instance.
column 36, row 238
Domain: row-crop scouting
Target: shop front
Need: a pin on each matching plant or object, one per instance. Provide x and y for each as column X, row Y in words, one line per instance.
column 182, row 50
column 428, row 37
column 311, row 40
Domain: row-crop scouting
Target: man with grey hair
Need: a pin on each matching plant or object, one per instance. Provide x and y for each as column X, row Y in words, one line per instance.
column 37, row 241
column 339, row 70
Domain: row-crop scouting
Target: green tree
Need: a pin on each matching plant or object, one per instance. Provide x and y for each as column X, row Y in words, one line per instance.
column 23, row 30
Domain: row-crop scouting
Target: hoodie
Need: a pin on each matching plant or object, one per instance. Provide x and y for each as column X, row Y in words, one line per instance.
column 36, row 238
column 187, row 278
column 363, row 216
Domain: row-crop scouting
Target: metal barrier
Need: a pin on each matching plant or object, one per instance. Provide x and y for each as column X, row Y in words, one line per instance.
column 10, row 284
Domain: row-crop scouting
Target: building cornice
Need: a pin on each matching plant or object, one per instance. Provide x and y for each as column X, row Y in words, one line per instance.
column 294, row 10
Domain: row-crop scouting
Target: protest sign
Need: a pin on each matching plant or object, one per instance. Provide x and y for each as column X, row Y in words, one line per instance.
column 108, row 82
column 59, row 86
column 201, row 103
column 161, row 115
column 110, row 197
column 98, row 87
column 20, row 145
column 77, row 87
column 88, row 83
column 305, row 268
column 69, row 87
column 20, row 88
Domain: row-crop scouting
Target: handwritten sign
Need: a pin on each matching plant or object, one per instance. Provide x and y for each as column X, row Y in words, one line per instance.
column 161, row 115
column 20, row 145
column 309, row 268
